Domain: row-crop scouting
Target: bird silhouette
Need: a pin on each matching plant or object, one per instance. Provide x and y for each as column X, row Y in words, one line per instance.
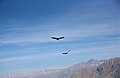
column 66, row 52
column 57, row 38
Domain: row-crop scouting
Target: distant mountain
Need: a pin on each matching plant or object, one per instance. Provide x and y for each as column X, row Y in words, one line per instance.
column 91, row 69
column 90, row 64
column 108, row 69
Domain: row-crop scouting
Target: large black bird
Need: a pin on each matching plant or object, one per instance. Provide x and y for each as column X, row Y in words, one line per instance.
column 57, row 38
column 66, row 52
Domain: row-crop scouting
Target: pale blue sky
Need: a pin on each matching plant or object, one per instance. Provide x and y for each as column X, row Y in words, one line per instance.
column 91, row 29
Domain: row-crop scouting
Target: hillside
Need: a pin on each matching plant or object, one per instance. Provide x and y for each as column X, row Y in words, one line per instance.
column 109, row 69
column 91, row 69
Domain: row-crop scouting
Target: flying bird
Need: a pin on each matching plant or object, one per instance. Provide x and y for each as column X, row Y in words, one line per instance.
column 66, row 52
column 57, row 38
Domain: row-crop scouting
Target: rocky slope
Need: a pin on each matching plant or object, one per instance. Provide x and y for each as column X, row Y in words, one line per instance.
column 91, row 69
column 108, row 69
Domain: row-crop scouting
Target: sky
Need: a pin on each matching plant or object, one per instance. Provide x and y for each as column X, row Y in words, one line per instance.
column 91, row 29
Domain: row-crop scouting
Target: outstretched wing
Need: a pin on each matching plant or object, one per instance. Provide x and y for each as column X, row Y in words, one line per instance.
column 61, row 37
column 68, row 51
column 53, row 38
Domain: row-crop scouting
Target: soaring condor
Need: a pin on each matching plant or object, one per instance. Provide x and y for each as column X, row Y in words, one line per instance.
column 57, row 38
column 66, row 52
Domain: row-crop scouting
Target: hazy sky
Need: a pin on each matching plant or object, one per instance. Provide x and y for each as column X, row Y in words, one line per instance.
column 91, row 29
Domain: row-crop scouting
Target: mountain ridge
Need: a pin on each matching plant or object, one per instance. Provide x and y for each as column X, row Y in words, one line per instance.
column 90, row 69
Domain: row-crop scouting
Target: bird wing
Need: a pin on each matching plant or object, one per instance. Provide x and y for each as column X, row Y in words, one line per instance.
column 68, row 51
column 53, row 38
column 61, row 37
